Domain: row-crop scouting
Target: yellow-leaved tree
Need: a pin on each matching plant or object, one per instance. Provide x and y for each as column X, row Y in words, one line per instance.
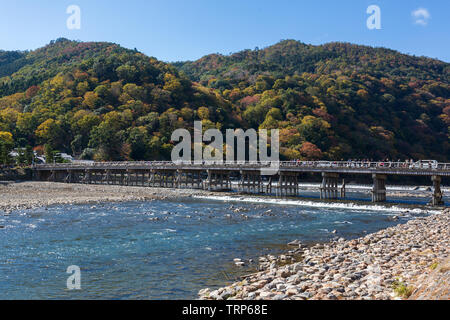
column 6, row 145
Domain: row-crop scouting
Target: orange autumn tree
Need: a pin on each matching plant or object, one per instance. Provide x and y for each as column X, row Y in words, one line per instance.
column 310, row 151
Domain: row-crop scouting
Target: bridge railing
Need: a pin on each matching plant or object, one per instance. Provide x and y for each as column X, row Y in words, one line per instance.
column 420, row 165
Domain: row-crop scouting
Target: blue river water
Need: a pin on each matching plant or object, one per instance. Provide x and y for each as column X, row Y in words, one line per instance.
column 160, row 249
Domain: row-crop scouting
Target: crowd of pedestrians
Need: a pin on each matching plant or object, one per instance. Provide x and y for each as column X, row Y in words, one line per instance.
column 367, row 163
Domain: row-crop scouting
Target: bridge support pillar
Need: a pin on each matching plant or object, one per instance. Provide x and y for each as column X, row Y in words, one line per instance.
column 166, row 178
column 437, row 193
column 107, row 178
column 153, row 181
column 288, row 184
column 36, row 175
column 269, row 185
column 329, row 187
column 52, row 176
column 189, row 179
column 143, row 179
column 58, row 176
column 126, row 178
column 69, row 177
column 218, row 180
column 197, row 180
column 77, row 176
column 135, row 178
column 251, row 181
column 379, row 188
column 343, row 190
column 86, row 177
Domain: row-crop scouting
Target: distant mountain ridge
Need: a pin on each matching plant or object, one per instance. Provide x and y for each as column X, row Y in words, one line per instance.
column 41, row 64
column 99, row 101
column 290, row 57
column 335, row 101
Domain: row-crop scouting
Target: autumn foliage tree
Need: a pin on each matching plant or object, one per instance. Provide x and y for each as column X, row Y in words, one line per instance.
column 6, row 145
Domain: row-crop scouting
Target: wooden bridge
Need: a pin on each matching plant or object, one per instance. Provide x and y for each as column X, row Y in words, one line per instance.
column 250, row 176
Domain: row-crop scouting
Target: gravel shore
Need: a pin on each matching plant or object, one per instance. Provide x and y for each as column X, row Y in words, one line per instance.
column 28, row 195
column 395, row 263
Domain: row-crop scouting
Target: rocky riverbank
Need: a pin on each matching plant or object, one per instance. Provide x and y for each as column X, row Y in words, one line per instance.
column 29, row 195
column 434, row 283
column 395, row 263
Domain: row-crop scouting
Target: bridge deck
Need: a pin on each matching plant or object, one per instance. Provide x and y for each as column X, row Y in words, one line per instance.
column 387, row 168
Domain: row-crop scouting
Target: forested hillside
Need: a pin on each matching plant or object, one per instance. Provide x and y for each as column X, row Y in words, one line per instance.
column 100, row 101
column 336, row 101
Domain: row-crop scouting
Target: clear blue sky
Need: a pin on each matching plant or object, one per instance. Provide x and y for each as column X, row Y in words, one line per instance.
column 174, row 30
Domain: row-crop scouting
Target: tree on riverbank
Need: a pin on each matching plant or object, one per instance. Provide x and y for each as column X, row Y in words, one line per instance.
column 6, row 146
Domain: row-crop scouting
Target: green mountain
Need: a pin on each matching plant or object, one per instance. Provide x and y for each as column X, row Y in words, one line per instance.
column 337, row 101
column 100, row 101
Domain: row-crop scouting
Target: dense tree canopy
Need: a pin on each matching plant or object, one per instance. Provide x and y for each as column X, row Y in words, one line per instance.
column 101, row 101
column 336, row 100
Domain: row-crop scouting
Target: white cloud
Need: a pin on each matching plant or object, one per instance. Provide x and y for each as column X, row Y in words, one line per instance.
column 421, row 16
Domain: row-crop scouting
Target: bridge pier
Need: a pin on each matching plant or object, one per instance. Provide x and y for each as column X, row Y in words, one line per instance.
column 437, row 193
column 77, row 176
column 288, row 184
column 59, row 176
column 86, row 177
column 106, row 179
column 251, row 181
column 140, row 178
column 329, row 187
column 126, row 178
column 69, row 177
column 218, row 180
column 269, row 185
column 92, row 177
column 189, row 179
column 167, row 178
column 121, row 178
column 35, row 175
column 152, row 179
column 379, row 188
column 98, row 175
column 143, row 178
column 343, row 190
column 134, row 178
column 52, row 176
column 155, row 179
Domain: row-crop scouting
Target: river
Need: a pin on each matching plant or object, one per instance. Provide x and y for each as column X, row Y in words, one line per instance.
column 164, row 249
